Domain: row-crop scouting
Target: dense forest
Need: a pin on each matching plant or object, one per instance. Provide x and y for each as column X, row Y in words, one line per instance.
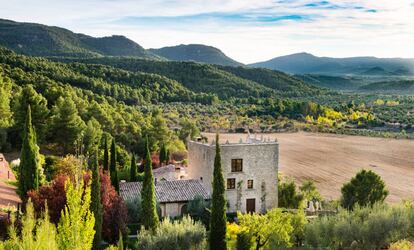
column 129, row 98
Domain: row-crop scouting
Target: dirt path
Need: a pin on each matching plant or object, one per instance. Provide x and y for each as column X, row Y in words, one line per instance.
column 331, row 160
column 8, row 196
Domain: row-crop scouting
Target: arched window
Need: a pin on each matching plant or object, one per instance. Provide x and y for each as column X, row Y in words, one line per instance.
column 184, row 209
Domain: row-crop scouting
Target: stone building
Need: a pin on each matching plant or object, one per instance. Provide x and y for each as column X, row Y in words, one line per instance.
column 170, row 173
column 250, row 171
column 172, row 196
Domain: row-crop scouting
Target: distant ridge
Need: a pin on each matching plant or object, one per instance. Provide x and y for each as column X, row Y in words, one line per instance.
column 197, row 53
column 42, row 40
column 305, row 63
column 403, row 86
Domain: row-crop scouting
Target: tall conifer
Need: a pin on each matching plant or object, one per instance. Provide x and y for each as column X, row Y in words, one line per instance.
column 133, row 169
column 149, row 203
column 96, row 203
column 112, row 167
column 106, row 155
column 218, row 217
column 29, row 159
column 162, row 154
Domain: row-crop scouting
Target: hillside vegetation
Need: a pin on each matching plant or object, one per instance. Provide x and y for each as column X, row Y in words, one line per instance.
column 225, row 82
column 41, row 40
column 196, row 53
column 406, row 86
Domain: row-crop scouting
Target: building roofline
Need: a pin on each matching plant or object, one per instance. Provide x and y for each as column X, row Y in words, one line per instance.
column 230, row 144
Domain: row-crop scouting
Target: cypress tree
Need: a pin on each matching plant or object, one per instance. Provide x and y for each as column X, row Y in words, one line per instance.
column 96, row 204
column 106, row 155
column 149, row 203
column 167, row 156
column 218, row 217
column 29, row 163
column 133, row 169
column 162, row 154
column 112, row 167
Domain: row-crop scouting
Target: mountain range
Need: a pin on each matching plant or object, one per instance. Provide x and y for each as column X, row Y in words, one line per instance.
column 196, row 53
column 41, row 40
column 50, row 41
column 305, row 63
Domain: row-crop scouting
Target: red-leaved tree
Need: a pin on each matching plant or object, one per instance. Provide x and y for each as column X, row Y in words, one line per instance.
column 115, row 212
column 114, row 209
column 55, row 196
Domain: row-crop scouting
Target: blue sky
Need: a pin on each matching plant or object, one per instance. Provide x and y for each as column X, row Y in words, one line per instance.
column 246, row 30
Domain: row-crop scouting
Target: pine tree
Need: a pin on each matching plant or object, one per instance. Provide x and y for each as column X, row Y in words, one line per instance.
column 106, row 155
column 112, row 167
column 133, row 169
column 5, row 111
column 96, row 204
column 67, row 124
column 40, row 112
column 29, row 159
column 92, row 137
column 149, row 203
column 218, row 217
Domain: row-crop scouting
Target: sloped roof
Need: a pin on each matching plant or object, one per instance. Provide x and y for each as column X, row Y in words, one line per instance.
column 167, row 191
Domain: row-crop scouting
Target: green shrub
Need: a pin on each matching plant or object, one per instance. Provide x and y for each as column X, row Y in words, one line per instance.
column 363, row 228
column 185, row 234
column 134, row 210
column 199, row 209
column 402, row 245
column 288, row 196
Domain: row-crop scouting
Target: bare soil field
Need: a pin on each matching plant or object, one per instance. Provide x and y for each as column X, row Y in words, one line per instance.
column 332, row 160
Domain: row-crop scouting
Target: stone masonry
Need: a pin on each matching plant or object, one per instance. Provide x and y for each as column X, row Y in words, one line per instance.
column 250, row 172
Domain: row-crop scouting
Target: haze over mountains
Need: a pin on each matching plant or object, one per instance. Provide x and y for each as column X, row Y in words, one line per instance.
column 42, row 40
column 335, row 73
column 305, row 63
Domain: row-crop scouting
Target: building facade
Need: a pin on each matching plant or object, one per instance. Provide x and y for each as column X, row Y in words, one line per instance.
column 172, row 196
column 250, row 172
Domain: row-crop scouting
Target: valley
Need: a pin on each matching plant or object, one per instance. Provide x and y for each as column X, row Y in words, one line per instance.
column 166, row 125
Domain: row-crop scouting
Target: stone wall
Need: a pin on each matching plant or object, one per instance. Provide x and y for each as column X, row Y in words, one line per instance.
column 260, row 164
column 171, row 209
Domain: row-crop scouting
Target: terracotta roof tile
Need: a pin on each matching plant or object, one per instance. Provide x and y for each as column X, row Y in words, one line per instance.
column 167, row 191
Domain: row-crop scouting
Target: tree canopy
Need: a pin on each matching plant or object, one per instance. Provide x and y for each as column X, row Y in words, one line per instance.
column 365, row 189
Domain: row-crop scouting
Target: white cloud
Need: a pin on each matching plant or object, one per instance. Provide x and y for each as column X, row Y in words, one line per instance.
column 242, row 29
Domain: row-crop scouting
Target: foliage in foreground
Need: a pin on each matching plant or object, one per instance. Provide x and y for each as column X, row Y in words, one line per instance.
column 35, row 233
column 363, row 228
column 185, row 234
column 276, row 229
column 77, row 221
column 402, row 245
column 114, row 208
column 74, row 232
